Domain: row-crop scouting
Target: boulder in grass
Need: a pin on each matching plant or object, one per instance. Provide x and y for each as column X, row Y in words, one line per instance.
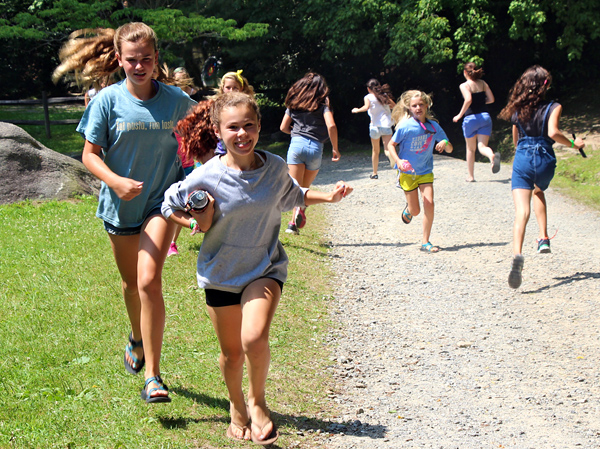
column 29, row 170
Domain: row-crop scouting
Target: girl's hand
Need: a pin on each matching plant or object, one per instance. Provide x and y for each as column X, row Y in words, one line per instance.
column 579, row 143
column 204, row 218
column 441, row 146
column 336, row 155
column 456, row 118
column 127, row 189
column 341, row 190
column 355, row 110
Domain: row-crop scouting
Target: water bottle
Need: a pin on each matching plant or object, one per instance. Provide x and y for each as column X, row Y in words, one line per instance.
column 196, row 201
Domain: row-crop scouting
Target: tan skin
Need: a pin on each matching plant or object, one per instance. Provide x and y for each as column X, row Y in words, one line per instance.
column 479, row 141
column 243, row 330
column 375, row 143
column 522, row 197
column 418, row 109
column 139, row 258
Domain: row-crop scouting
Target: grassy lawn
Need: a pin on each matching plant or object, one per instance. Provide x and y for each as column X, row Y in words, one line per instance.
column 64, row 329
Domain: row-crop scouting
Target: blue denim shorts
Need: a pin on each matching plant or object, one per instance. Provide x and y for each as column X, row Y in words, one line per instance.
column 533, row 165
column 305, row 151
column 130, row 231
column 376, row 132
column 477, row 124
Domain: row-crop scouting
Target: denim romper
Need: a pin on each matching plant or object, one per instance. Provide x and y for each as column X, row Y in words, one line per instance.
column 534, row 161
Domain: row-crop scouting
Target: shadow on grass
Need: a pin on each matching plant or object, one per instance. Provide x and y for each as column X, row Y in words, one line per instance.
column 566, row 280
column 296, row 425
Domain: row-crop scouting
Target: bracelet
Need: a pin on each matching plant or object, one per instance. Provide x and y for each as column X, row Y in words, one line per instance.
column 446, row 141
column 572, row 143
column 193, row 223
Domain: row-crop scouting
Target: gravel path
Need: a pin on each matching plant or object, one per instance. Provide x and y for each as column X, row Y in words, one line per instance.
column 435, row 350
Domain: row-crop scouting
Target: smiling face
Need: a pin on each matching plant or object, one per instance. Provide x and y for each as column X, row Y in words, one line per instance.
column 418, row 108
column 138, row 60
column 239, row 129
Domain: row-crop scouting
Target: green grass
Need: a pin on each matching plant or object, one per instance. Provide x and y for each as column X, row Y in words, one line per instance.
column 579, row 177
column 64, row 328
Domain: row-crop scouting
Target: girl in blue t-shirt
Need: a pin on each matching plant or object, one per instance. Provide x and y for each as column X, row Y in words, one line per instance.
column 417, row 133
column 130, row 146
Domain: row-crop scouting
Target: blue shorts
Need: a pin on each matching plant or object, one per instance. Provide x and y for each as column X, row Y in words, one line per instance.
column 220, row 298
column 376, row 132
column 477, row 124
column 305, row 151
column 130, row 231
column 533, row 165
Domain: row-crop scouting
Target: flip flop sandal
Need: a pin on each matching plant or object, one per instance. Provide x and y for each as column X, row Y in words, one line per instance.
column 406, row 216
column 270, row 439
column 243, row 429
column 137, row 365
column 429, row 248
column 147, row 395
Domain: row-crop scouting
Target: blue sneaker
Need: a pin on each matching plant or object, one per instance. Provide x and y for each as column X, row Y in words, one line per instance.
column 543, row 246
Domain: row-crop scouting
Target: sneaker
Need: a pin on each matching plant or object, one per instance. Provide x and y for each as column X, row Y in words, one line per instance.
column 299, row 218
column 515, row 277
column 543, row 246
column 173, row 250
column 292, row 229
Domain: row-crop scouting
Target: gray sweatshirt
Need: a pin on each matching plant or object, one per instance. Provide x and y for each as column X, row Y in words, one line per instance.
column 242, row 244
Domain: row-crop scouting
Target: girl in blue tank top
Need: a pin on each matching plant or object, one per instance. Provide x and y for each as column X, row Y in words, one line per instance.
column 535, row 128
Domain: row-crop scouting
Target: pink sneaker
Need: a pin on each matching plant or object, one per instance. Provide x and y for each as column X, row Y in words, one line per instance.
column 299, row 218
column 173, row 250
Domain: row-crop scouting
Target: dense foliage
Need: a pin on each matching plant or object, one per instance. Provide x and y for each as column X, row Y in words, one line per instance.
column 407, row 43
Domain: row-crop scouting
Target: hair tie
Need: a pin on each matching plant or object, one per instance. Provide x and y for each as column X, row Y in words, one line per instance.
column 545, row 81
column 238, row 75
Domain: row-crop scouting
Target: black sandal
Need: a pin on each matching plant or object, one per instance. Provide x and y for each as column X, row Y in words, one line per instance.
column 146, row 396
column 137, row 365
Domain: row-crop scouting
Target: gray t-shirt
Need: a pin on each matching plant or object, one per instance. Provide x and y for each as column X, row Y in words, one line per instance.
column 242, row 244
column 310, row 124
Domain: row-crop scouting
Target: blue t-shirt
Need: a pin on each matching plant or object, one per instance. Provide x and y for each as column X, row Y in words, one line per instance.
column 415, row 145
column 139, row 143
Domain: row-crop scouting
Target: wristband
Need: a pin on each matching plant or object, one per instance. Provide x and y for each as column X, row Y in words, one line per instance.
column 445, row 141
column 572, row 143
column 193, row 223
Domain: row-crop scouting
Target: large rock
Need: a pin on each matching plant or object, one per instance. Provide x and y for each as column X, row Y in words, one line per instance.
column 29, row 170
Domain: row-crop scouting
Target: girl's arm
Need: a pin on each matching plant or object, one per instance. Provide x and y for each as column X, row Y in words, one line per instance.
column 196, row 221
column 391, row 147
column 125, row 188
column 489, row 96
column 341, row 190
column 515, row 134
column 333, row 135
column 556, row 134
column 365, row 107
column 286, row 124
column 444, row 145
column 466, row 93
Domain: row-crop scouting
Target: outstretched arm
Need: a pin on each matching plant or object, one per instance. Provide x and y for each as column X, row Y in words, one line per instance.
column 341, row 190
column 364, row 108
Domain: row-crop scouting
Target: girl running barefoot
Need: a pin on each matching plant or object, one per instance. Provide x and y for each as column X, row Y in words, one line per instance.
column 477, row 124
column 416, row 135
column 131, row 148
column 535, row 128
column 310, row 122
column 378, row 103
column 242, row 266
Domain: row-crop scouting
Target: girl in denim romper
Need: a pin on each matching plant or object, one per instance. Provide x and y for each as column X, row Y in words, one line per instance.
column 535, row 129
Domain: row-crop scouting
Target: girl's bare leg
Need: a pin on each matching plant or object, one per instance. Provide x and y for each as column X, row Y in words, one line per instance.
column 522, row 200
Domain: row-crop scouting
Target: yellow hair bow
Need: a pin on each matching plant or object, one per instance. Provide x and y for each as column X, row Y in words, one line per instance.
column 239, row 77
